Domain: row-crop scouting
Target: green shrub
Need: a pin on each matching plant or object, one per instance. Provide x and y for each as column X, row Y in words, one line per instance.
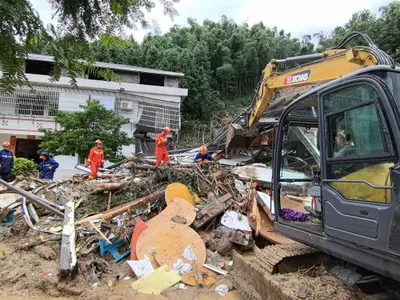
column 23, row 166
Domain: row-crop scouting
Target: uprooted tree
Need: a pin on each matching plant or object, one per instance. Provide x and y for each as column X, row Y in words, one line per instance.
column 80, row 129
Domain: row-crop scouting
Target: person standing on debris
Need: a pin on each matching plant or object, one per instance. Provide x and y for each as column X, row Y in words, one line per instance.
column 6, row 162
column 161, row 147
column 47, row 167
column 203, row 156
column 96, row 159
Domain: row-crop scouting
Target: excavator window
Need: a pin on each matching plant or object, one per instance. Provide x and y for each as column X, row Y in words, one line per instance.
column 358, row 144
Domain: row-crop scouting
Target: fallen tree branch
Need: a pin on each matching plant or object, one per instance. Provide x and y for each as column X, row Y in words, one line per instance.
column 123, row 208
column 113, row 186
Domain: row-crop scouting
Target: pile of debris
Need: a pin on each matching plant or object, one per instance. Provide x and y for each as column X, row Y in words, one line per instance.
column 175, row 227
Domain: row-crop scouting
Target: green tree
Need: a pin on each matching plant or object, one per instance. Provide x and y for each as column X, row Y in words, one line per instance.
column 21, row 27
column 81, row 129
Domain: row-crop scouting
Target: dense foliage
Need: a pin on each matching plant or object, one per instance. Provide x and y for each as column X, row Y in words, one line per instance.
column 23, row 166
column 22, row 31
column 81, row 129
column 223, row 61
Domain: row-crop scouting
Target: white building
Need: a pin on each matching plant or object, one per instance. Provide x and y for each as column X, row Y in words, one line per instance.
column 150, row 99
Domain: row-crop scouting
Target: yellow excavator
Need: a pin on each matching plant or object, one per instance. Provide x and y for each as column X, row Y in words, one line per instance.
column 333, row 126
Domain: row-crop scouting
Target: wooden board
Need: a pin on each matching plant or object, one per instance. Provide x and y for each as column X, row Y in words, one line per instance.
column 179, row 190
column 208, row 276
column 139, row 228
column 176, row 208
column 267, row 230
column 169, row 240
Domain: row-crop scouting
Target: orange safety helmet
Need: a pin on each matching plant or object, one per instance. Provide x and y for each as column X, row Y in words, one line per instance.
column 99, row 142
column 6, row 144
column 167, row 130
column 203, row 149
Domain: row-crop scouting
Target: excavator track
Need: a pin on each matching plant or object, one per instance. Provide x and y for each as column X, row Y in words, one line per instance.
column 252, row 277
column 268, row 259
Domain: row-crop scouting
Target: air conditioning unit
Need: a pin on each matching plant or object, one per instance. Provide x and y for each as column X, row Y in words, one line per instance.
column 126, row 105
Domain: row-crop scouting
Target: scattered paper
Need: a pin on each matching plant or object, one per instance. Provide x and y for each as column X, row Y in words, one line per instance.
column 56, row 229
column 181, row 268
column 222, row 290
column 234, row 220
column 159, row 280
column 188, row 254
column 182, row 286
column 142, row 267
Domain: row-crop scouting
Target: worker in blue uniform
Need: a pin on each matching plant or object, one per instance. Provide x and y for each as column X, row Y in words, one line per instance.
column 203, row 156
column 47, row 167
column 6, row 162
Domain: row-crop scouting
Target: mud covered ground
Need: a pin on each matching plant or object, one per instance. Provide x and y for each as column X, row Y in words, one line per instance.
column 315, row 283
column 33, row 274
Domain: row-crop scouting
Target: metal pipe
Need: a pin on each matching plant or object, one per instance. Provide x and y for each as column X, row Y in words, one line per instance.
column 301, row 58
column 35, row 199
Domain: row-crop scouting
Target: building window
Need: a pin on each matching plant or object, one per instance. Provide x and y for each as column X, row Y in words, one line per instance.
column 96, row 74
column 152, row 79
column 38, row 67
column 39, row 103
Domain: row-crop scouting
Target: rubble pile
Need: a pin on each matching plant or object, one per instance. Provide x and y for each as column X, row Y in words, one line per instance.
column 162, row 228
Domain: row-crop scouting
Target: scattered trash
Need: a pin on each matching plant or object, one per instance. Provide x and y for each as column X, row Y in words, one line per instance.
column 142, row 267
column 182, row 286
column 215, row 269
column 181, row 268
column 189, row 254
column 174, row 226
column 112, row 249
column 222, row 290
column 234, row 220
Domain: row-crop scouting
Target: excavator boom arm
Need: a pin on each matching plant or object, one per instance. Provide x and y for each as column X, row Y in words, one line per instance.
column 330, row 65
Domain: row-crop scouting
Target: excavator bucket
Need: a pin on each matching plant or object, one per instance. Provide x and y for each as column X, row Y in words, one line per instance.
column 238, row 137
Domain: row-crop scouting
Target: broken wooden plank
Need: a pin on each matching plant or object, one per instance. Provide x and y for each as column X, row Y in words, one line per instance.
column 109, row 200
column 211, row 210
column 123, row 208
column 254, row 213
column 34, row 198
column 68, row 261
column 99, row 231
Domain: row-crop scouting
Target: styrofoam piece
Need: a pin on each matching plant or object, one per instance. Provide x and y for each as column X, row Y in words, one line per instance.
column 188, row 254
column 265, row 200
column 234, row 220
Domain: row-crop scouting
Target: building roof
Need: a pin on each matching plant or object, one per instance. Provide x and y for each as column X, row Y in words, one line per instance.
column 134, row 69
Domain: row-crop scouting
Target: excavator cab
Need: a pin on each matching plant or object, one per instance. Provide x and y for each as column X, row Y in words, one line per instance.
column 344, row 136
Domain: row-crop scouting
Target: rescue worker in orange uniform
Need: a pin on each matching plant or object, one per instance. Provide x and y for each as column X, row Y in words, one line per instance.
column 161, row 147
column 95, row 160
